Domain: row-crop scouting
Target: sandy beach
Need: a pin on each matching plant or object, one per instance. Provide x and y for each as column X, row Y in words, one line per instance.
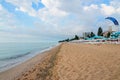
column 25, row 67
column 70, row 61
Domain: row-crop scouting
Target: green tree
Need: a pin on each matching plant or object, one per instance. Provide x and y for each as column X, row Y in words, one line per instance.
column 76, row 37
column 88, row 35
column 108, row 34
column 100, row 32
column 92, row 34
column 67, row 40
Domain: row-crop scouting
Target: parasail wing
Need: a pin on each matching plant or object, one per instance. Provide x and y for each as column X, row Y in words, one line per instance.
column 113, row 20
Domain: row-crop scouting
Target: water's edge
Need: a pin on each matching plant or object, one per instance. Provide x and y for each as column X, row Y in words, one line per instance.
column 26, row 57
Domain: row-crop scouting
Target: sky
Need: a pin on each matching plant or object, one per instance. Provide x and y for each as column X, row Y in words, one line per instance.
column 53, row 20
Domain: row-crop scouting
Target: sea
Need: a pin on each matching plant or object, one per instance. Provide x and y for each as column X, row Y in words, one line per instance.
column 14, row 53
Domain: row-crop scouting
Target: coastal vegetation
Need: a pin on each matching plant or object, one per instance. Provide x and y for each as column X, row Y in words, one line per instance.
column 100, row 32
column 90, row 35
column 76, row 37
column 87, row 35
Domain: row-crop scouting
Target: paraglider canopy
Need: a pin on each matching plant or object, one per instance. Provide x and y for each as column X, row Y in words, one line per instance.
column 113, row 20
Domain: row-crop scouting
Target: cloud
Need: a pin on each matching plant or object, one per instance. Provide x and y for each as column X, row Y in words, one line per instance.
column 92, row 6
column 112, row 9
column 107, row 10
column 6, row 24
column 12, row 31
column 6, row 18
column 24, row 6
column 61, row 18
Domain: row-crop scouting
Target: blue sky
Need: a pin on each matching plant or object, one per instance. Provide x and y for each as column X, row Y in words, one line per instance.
column 53, row 20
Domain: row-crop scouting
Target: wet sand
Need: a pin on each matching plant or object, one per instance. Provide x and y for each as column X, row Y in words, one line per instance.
column 21, row 71
column 71, row 61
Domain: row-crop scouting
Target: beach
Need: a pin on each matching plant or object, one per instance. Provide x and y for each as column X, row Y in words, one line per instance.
column 70, row 61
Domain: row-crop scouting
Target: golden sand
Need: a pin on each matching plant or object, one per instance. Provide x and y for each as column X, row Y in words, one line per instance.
column 71, row 61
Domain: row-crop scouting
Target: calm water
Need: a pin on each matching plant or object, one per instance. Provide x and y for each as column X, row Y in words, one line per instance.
column 14, row 53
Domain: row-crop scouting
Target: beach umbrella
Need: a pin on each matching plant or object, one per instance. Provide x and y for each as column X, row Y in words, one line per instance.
column 113, row 20
column 98, row 37
column 115, row 35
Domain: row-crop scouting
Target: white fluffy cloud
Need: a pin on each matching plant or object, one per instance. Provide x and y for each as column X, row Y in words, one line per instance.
column 67, row 17
column 112, row 9
column 5, row 18
column 92, row 6
column 24, row 6
column 11, row 30
column 107, row 10
column 6, row 24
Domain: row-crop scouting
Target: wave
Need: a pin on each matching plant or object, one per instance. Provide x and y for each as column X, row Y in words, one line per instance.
column 15, row 57
column 30, row 52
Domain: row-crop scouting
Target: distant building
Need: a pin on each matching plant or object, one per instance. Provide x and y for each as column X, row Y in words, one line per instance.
column 113, row 28
column 86, row 34
column 110, row 30
column 105, row 34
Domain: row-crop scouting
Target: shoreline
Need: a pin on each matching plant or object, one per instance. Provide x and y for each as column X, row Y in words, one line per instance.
column 70, row 61
column 23, row 59
column 22, row 67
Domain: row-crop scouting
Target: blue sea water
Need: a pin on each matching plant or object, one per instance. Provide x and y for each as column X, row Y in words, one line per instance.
column 13, row 53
